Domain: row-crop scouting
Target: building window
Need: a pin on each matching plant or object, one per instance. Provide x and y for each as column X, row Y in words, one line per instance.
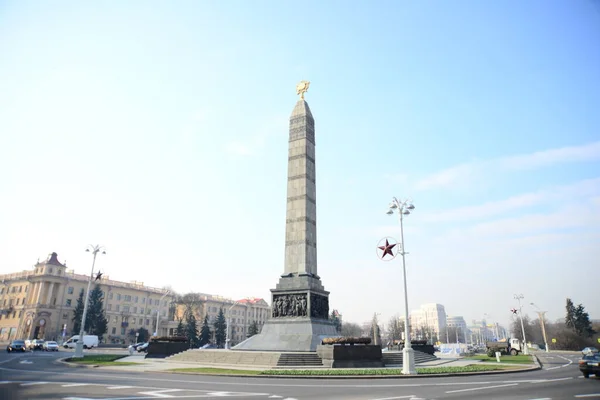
column 117, row 308
column 114, row 330
column 126, row 309
column 141, row 321
column 118, row 296
column 147, row 321
column 123, row 331
column 127, row 297
column 141, row 310
column 50, row 270
column 135, row 299
column 70, row 290
column 110, row 295
column 109, row 307
column 20, row 289
column 65, row 315
column 68, row 304
column 143, row 300
column 135, row 310
column 26, row 287
column 20, row 313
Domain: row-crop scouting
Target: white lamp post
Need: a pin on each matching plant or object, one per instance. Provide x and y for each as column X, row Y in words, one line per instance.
column 542, row 315
column 518, row 297
column 408, row 357
column 79, row 345
column 158, row 311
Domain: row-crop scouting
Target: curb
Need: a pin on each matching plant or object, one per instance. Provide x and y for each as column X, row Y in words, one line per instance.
column 74, row 365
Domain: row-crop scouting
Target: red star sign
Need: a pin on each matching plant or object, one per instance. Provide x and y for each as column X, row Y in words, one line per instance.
column 387, row 249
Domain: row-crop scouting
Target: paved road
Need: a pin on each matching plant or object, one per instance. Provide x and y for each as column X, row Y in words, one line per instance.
column 38, row 376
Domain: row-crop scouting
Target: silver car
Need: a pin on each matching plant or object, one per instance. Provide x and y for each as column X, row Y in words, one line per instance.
column 50, row 346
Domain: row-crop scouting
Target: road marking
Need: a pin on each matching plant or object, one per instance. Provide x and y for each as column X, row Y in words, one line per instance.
column 160, row 393
column 77, row 398
column 276, row 397
column 579, row 396
column 119, row 387
column 33, row 383
column 481, row 388
column 544, row 398
column 25, row 362
column 392, row 398
column 74, row 384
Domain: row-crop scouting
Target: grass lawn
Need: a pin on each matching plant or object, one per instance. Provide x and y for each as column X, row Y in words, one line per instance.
column 343, row 372
column 520, row 359
column 99, row 359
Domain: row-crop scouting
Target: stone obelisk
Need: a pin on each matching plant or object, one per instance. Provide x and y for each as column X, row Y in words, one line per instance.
column 300, row 305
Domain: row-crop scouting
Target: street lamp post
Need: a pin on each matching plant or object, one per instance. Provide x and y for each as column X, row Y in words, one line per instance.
column 519, row 297
column 79, row 345
column 158, row 311
column 542, row 315
column 408, row 357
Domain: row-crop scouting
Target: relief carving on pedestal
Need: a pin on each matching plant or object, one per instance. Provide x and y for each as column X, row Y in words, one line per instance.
column 289, row 305
column 319, row 306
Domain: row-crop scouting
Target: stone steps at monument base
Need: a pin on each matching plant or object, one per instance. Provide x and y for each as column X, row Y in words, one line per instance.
column 395, row 358
column 227, row 357
column 299, row 360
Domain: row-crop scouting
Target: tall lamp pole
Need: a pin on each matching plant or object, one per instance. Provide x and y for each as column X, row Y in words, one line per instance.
column 519, row 297
column 403, row 208
column 158, row 311
column 542, row 315
column 79, row 345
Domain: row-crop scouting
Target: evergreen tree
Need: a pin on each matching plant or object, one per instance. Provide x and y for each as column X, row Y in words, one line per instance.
column 143, row 335
column 95, row 321
column 220, row 329
column 191, row 330
column 205, row 332
column 78, row 314
column 253, row 329
column 570, row 318
column 180, row 330
column 335, row 318
column 583, row 325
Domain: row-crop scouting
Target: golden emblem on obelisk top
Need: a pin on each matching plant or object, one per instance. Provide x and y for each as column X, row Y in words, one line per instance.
column 302, row 88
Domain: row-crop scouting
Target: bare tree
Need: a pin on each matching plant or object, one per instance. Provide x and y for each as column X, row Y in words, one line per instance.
column 351, row 329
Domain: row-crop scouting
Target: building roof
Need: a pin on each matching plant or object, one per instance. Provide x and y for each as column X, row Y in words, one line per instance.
column 53, row 260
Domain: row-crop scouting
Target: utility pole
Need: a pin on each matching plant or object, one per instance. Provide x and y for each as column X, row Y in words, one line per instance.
column 519, row 297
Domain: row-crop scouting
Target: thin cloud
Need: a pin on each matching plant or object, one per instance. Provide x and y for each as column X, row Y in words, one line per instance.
column 577, row 190
column 462, row 174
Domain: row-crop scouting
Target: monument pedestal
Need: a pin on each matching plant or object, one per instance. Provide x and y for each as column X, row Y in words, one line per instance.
column 299, row 317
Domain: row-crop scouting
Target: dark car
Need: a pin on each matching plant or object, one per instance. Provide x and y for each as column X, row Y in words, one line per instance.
column 143, row 348
column 589, row 365
column 16, row 345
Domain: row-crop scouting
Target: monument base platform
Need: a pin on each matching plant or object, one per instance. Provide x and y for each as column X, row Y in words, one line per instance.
column 290, row 334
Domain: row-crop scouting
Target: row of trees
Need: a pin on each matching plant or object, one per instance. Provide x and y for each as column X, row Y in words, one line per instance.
column 574, row 332
column 188, row 325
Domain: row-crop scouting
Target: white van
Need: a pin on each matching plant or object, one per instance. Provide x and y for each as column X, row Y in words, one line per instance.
column 89, row 341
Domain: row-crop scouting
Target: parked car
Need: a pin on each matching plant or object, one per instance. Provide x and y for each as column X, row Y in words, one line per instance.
column 16, row 345
column 36, row 344
column 50, row 346
column 589, row 350
column 589, row 365
column 143, row 348
column 89, row 342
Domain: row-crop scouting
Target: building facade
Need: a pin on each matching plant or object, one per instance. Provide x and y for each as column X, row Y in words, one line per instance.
column 240, row 313
column 40, row 303
column 428, row 321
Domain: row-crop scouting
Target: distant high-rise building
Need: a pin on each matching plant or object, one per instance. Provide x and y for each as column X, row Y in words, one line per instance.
column 428, row 322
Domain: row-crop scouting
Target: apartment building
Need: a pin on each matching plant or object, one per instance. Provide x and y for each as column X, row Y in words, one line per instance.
column 40, row 303
column 428, row 321
column 241, row 314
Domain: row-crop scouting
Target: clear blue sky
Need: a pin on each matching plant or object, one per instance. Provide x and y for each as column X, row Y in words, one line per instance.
column 159, row 129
